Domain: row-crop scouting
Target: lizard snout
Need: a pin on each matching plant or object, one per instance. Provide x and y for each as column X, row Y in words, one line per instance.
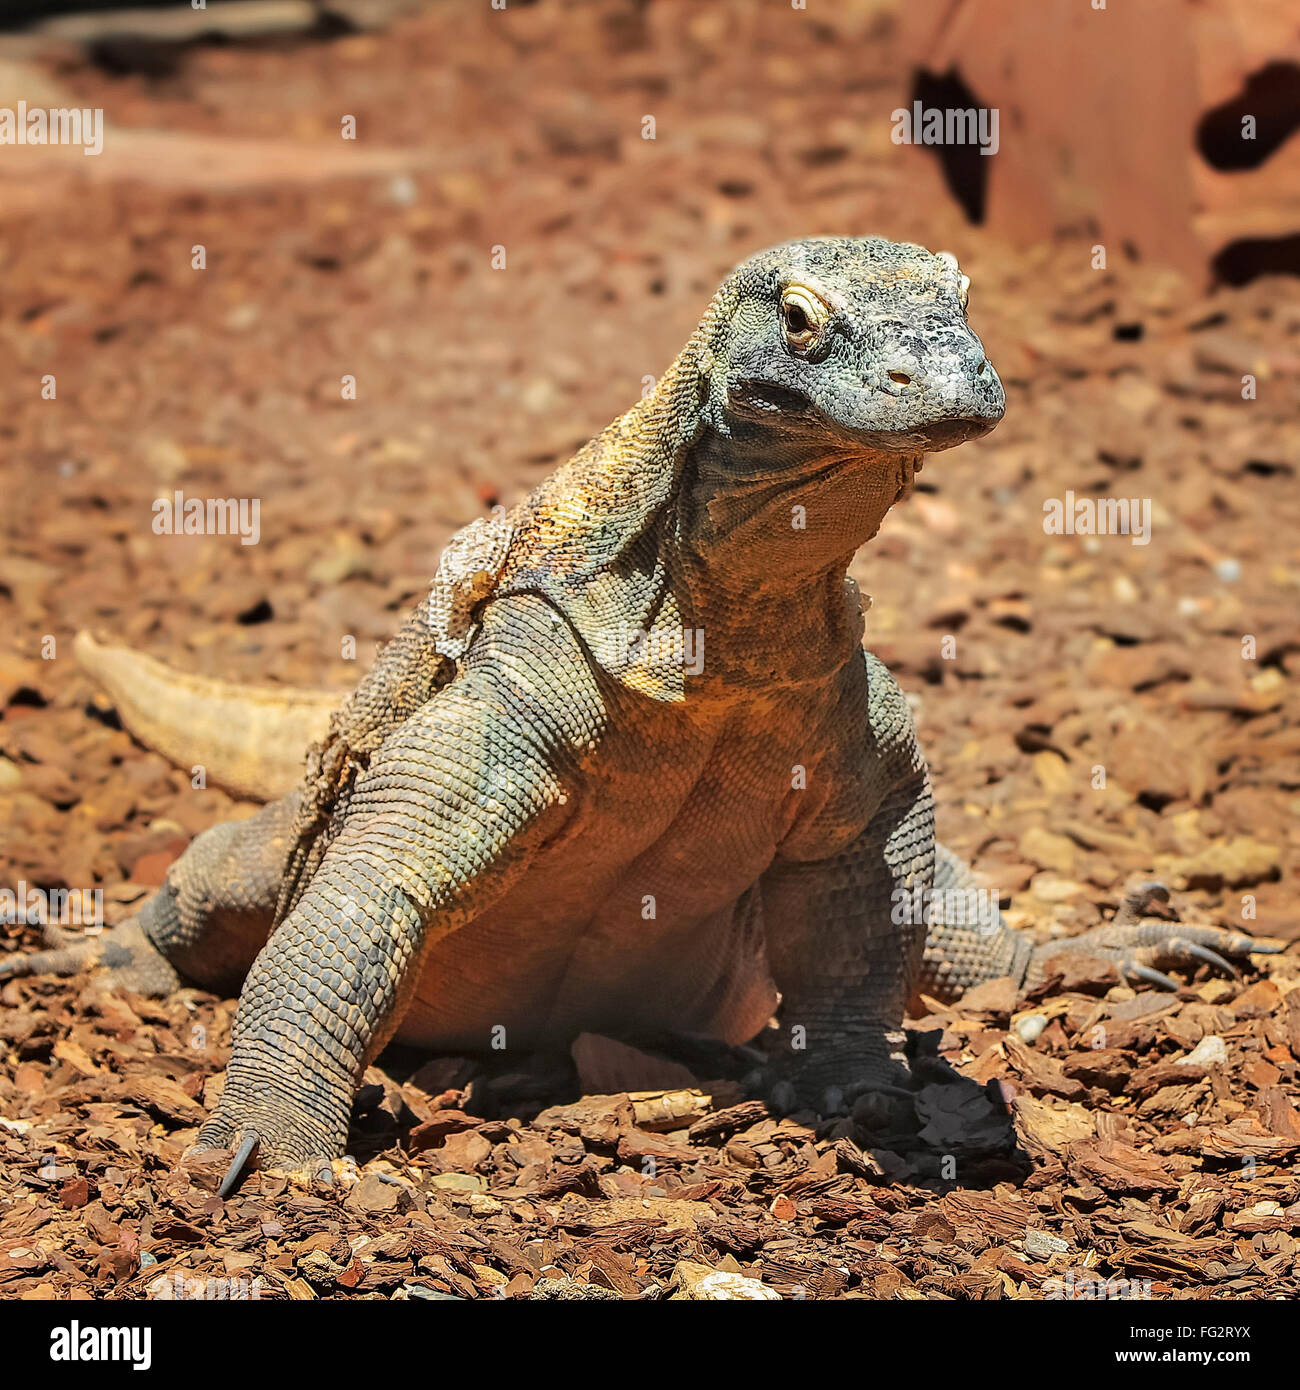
column 936, row 399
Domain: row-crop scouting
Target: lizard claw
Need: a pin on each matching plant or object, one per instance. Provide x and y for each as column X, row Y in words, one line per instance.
column 1199, row 952
column 66, row 953
column 1152, row 977
column 1150, row 899
column 278, row 1140
column 128, row 956
column 1140, row 946
column 311, row 1170
column 62, row 960
column 251, row 1141
column 12, row 966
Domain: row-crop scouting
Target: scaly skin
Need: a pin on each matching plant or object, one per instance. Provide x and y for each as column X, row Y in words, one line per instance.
column 534, row 817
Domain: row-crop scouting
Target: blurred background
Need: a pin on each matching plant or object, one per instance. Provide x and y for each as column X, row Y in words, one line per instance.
column 501, row 257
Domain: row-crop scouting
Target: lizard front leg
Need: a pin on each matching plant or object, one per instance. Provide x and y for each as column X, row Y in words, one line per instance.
column 843, row 934
column 448, row 815
column 844, row 956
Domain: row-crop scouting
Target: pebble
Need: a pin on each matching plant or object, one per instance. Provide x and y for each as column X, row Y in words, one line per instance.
column 1211, row 1051
column 1030, row 1028
column 402, row 190
column 698, row 1283
column 1044, row 1244
column 1228, row 571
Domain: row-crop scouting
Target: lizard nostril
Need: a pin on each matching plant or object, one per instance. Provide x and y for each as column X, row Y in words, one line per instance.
column 979, row 371
column 901, row 378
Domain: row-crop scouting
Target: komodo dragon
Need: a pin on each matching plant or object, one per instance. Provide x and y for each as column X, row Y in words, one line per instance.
column 627, row 769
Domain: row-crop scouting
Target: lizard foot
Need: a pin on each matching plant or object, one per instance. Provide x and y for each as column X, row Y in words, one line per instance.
column 126, row 953
column 247, row 1148
column 837, row 1084
column 1140, row 945
column 271, row 1138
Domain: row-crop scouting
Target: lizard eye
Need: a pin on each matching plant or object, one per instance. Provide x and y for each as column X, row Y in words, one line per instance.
column 803, row 315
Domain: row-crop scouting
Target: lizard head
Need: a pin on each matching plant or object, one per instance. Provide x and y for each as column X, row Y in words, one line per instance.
column 856, row 342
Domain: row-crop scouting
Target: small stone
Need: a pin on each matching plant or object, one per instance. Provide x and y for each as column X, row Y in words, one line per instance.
column 1044, row 1244
column 1030, row 1028
column 698, row 1283
column 1227, row 570
column 402, row 190
column 459, row 1182
column 242, row 317
column 1211, row 1051
column 1268, row 682
column 165, row 459
column 538, row 395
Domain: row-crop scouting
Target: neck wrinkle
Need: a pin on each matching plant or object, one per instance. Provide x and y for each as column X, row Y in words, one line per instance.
column 774, row 603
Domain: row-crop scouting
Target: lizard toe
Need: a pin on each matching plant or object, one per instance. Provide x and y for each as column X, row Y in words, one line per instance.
column 251, row 1150
column 1135, row 970
column 263, row 1131
column 125, row 954
column 1144, row 950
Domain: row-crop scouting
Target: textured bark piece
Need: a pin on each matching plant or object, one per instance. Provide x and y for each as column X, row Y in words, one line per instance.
column 1047, row 1128
column 1120, row 1168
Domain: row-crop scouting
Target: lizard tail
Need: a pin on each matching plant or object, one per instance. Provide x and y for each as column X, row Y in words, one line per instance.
column 249, row 740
